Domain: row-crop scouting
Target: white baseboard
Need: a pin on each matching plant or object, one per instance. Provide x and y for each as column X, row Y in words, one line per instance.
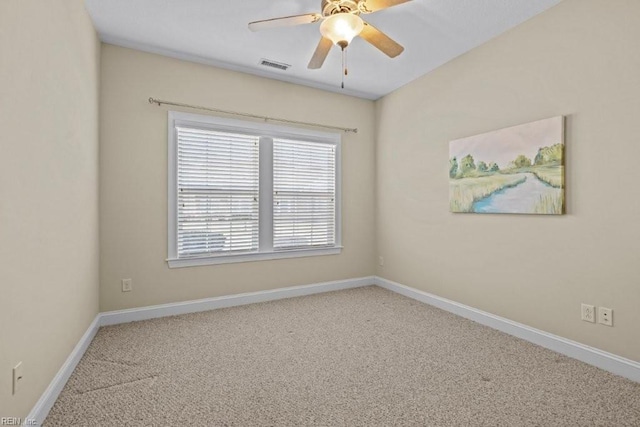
column 45, row 403
column 601, row 359
column 151, row 312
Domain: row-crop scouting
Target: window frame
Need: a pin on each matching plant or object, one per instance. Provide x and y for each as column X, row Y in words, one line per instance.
column 267, row 132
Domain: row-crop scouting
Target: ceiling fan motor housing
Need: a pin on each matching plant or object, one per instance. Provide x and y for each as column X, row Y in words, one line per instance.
column 331, row 7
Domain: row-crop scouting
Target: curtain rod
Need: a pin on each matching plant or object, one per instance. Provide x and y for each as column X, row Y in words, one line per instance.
column 253, row 116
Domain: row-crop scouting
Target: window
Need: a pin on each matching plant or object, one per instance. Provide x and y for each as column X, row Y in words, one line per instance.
column 217, row 192
column 243, row 191
column 304, row 194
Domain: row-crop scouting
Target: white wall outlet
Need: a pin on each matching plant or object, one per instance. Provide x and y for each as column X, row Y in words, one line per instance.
column 126, row 285
column 605, row 316
column 588, row 313
column 17, row 377
column 381, row 261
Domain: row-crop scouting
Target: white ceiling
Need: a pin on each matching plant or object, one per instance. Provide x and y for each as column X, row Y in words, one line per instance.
column 215, row 32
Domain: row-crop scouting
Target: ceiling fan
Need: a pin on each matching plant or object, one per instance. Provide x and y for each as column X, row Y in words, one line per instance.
column 341, row 22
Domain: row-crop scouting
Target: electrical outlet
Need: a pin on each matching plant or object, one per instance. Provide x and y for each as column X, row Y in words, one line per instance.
column 605, row 316
column 126, row 285
column 17, row 377
column 588, row 313
column 381, row 261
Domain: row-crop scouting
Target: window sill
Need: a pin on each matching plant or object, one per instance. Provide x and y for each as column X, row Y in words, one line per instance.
column 260, row 256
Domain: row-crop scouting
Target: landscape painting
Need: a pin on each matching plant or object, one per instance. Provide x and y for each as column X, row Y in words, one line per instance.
column 517, row 170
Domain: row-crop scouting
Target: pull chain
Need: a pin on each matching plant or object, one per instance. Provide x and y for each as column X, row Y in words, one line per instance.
column 344, row 66
column 345, row 62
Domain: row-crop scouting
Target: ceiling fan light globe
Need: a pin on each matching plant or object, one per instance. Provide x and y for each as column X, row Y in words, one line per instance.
column 341, row 28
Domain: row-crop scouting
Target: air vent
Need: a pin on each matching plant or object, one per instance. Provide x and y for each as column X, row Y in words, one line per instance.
column 274, row 64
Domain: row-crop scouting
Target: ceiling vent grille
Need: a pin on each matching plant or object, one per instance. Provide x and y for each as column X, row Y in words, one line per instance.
column 273, row 64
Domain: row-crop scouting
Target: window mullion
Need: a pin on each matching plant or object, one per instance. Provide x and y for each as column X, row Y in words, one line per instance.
column 173, row 190
column 266, row 195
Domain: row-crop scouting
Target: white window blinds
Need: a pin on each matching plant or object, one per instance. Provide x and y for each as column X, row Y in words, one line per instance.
column 217, row 183
column 304, row 194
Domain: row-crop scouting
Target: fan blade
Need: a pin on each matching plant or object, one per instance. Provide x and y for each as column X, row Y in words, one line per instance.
column 285, row 21
column 320, row 54
column 376, row 5
column 380, row 40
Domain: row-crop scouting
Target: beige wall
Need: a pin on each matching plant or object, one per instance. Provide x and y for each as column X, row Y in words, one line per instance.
column 579, row 59
column 49, row 65
column 133, row 178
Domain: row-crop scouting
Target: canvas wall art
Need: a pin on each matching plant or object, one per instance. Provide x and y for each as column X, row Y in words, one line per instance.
column 517, row 170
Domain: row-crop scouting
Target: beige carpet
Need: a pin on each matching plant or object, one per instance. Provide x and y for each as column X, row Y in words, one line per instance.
column 361, row 357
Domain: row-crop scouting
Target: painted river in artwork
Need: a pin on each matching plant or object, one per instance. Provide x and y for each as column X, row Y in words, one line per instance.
column 519, row 199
